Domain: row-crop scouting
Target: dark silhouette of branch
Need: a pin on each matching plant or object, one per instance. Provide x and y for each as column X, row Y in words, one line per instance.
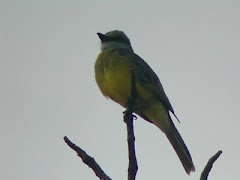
column 128, row 119
column 88, row 160
column 209, row 165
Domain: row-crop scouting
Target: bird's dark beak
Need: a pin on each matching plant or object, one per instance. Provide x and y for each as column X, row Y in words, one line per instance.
column 102, row 37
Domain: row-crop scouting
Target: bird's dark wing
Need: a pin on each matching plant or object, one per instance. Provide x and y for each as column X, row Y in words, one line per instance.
column 150, row 80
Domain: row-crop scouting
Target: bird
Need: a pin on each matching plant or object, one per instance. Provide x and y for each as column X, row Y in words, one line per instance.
column 113, row 72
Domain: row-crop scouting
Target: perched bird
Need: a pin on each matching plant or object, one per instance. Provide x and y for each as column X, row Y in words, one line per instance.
column 113, row 72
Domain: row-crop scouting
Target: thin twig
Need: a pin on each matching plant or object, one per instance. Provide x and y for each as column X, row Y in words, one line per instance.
column 88, row 160
column 128, row 119
column 209, row 165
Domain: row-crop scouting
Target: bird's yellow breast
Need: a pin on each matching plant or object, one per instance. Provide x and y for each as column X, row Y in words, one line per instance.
column 113, row 75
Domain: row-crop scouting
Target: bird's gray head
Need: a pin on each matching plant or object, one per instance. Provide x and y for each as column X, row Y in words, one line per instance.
column 114, row 39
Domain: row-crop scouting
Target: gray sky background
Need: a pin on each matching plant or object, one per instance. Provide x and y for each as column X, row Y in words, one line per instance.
column 48, row 90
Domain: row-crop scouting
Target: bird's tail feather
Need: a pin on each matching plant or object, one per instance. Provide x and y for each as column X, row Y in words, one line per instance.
column 180, row 148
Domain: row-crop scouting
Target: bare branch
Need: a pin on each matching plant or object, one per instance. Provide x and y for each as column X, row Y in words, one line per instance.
column 209, row 165
column 88, row 160
column 128, row 119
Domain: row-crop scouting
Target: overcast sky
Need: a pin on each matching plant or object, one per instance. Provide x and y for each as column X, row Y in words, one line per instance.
column 48, row 90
